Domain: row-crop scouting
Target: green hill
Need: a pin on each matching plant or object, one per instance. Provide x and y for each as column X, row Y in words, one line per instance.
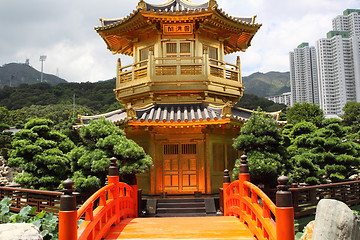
column 267, row 84
column 16, row 74
column 98, row 96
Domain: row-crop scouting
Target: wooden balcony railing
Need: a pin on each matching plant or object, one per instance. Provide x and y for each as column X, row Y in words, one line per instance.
column 114, row 202
column 265, row 220
column 305, row 199
column 172, row 66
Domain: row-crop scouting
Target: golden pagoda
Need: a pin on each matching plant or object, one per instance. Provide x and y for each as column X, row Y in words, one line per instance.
column 179, row 94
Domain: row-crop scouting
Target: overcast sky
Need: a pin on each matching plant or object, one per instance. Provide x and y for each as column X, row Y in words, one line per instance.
column 64, row 32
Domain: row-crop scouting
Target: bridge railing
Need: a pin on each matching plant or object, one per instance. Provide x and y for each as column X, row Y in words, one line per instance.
column 253, row 207
column 305, row 199
column 108, row 206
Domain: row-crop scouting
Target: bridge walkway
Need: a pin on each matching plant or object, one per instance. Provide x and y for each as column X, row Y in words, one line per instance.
column 217, row 227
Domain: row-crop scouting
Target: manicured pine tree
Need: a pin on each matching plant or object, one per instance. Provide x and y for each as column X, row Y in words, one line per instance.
column 322, row 154
column 101, row 141
column 41, row 154
column 261, row 141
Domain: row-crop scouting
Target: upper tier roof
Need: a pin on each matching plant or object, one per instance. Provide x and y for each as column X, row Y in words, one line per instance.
column 119, row 34
column 176, row 5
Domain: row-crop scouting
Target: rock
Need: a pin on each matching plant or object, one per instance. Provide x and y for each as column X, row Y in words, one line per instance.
column 335, row 220
column 308, row 231
column 354, row 177
column 6, row 173
column 19, row 231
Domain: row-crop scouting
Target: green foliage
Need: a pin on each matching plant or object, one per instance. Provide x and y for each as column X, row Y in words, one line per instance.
column 322, row 153
column 5, row 140
column 351, row 118
column 42, row 155
column 261, row 140
column 264, row 167
column 305, row 112
column 4, row 115
column 101, row 141
column 96, row 96
column 261, row 132
column 267, row 84
column 47, row 223
column 252, row 102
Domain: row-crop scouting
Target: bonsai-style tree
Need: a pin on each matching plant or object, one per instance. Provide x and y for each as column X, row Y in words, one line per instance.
column 5, row 140
column 351, row 116
column 41, row 153
column 261, row 140
column 351, row 119
column 101, row 141
column 305, row 112
column 321, row 154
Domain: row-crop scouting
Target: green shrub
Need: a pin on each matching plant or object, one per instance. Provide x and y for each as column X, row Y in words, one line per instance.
column 47, row 223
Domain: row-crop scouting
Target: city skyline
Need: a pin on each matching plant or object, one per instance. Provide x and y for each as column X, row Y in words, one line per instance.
column 64, row 31
column 328, row 75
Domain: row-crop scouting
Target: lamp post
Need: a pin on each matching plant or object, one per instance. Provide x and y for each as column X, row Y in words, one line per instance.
column 42, row 59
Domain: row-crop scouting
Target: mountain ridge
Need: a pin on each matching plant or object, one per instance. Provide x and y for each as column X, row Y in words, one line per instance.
column 15, row 74
column 267, row 84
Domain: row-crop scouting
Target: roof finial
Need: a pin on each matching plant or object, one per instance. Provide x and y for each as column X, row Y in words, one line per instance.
column 253, row 19
column 141, row 5
column 213, row 4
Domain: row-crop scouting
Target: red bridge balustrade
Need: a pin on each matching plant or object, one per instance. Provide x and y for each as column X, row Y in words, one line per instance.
column 115, row 202
column 253, row 207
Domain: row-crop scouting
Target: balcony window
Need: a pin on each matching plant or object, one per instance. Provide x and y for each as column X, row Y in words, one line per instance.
column 144, row 55
column 213, row 54
column 178, row 48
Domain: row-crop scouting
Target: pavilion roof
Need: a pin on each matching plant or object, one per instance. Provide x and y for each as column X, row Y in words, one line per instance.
column 119, row 34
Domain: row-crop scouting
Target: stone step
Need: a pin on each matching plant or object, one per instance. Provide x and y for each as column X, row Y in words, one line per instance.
column 180, row 210
column 179, row 200
column 187, row 207
column 182, row 205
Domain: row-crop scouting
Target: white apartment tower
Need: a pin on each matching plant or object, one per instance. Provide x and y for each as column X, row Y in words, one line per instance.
column 303, row 75
column 339, row 63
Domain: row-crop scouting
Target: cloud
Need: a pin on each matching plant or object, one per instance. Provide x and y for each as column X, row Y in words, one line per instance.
column 64, row 31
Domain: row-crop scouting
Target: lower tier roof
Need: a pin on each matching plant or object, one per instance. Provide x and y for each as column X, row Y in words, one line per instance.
column 176, row 114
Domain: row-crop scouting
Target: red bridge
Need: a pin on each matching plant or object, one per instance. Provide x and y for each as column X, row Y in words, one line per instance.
column 248, row 214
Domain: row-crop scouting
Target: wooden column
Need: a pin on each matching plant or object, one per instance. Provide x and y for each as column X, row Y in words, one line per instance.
column 118, row 72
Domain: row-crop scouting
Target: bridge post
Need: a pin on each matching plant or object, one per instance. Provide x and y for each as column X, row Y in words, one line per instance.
column 68, row 213
column 114, row 194
column 244, row 176
column 284, row 211
column 136, row 199
column 226, row 183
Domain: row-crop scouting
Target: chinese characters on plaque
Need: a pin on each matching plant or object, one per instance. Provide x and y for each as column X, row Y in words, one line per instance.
column 177, row 29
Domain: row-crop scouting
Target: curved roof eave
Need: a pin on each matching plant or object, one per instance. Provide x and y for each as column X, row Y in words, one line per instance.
column 111, row 23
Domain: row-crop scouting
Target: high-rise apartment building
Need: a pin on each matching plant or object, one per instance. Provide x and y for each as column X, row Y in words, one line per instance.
column 330, row 74
column 284, row 98
column 303, row 75
column 338, row 63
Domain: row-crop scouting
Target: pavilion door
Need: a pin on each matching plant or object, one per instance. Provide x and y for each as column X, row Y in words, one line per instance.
column 180, row 174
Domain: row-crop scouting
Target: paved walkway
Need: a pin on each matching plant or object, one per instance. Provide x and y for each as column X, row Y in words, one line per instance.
column 180, row 228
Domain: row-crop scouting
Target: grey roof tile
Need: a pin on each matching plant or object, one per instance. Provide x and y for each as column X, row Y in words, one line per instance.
column 174, row 113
